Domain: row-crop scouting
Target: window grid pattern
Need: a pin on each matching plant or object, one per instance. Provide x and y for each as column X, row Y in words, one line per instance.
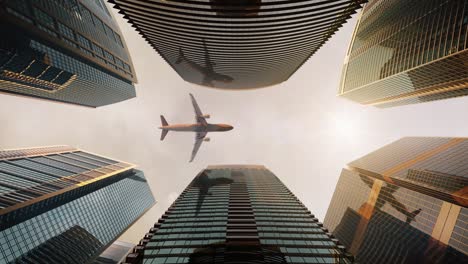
column 103, row 214
column 47, row 23
column 225, row 210
column 406, row 52
column 297, row 246
column 73, row 23
column 83, row 90
column 33, row 176
column 383, row 219
column 459, row 238
column 51, row 24
column 351, row 193
column 440, row 164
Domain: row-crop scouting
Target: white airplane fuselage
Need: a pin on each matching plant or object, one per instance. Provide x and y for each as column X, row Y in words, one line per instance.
column 197, row 127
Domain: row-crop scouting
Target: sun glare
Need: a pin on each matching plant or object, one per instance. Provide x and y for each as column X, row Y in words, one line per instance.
column 345, row 126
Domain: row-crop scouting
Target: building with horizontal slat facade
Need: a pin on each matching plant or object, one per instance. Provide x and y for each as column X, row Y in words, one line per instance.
column 67, row 51
column 238, row 214
column 407, row 52
column 64, row 205
column 237, row 44
column 405, row 203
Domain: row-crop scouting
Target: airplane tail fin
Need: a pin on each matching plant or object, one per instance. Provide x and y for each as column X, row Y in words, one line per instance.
column 163, row 121
column 181, row 56
column 164, row 131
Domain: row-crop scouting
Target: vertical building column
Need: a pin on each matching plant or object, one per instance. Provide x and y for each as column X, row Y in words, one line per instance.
column 446, row 222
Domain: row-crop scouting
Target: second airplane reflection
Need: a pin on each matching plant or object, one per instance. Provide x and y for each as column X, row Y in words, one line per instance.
column 201, row 127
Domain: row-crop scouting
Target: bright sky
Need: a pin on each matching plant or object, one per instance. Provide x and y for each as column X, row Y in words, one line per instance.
column 300, row 129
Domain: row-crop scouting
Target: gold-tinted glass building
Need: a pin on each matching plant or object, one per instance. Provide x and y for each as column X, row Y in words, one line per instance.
column 237, row 44
column 406, row 52
column 238, row 214
column 115, row 253
column 405, row 203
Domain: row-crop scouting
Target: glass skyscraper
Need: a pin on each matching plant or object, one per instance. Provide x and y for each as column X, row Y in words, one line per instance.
column 115, row 253
column 237, row 44
column 405, row 203
column 406, row 52
column 63, row 205
column 238, row 214
column 69, row 51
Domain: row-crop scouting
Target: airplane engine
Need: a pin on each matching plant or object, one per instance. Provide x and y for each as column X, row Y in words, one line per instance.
column 206, row 139
column 206, row 116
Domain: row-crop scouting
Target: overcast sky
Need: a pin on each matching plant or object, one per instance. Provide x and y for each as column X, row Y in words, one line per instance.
column 299, row 129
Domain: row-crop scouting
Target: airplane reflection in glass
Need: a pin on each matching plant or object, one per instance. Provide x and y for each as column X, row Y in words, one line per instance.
column 204, row 182
column 209, row 73
column 201, row 127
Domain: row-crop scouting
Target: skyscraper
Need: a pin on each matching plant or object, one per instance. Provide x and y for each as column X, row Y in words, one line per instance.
column 63, row 205
column 238, row 214
column 406, row 52
column 68, row 51
column 115, row 253
column 405, row 203
column 237, row 44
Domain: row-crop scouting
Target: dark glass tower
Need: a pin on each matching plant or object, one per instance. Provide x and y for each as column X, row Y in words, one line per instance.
column 63, row 205
column 238, row 214
column 68, row 51
column 237, row 44
column 406, row 52
column 405, row 203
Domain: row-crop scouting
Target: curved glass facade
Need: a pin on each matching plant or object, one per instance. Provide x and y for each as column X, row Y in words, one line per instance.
column 237, row 44
column 68, row 51
column 406, row 52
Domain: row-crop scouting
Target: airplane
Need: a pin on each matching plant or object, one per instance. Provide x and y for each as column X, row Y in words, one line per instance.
column 209, row 74
column 201, row 127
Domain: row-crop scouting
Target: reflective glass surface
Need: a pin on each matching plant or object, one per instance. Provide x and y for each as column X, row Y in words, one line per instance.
column 114, row 253
column 404, row 203
column 237, row 214
column 406, row 52
column 62, row 205
column 68, row 51
column 440, row 164
column 237, row 44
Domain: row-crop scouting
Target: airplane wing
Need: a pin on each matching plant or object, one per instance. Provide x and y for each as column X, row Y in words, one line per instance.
column 390, row 188
column 198, row 113
column 198, row 141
